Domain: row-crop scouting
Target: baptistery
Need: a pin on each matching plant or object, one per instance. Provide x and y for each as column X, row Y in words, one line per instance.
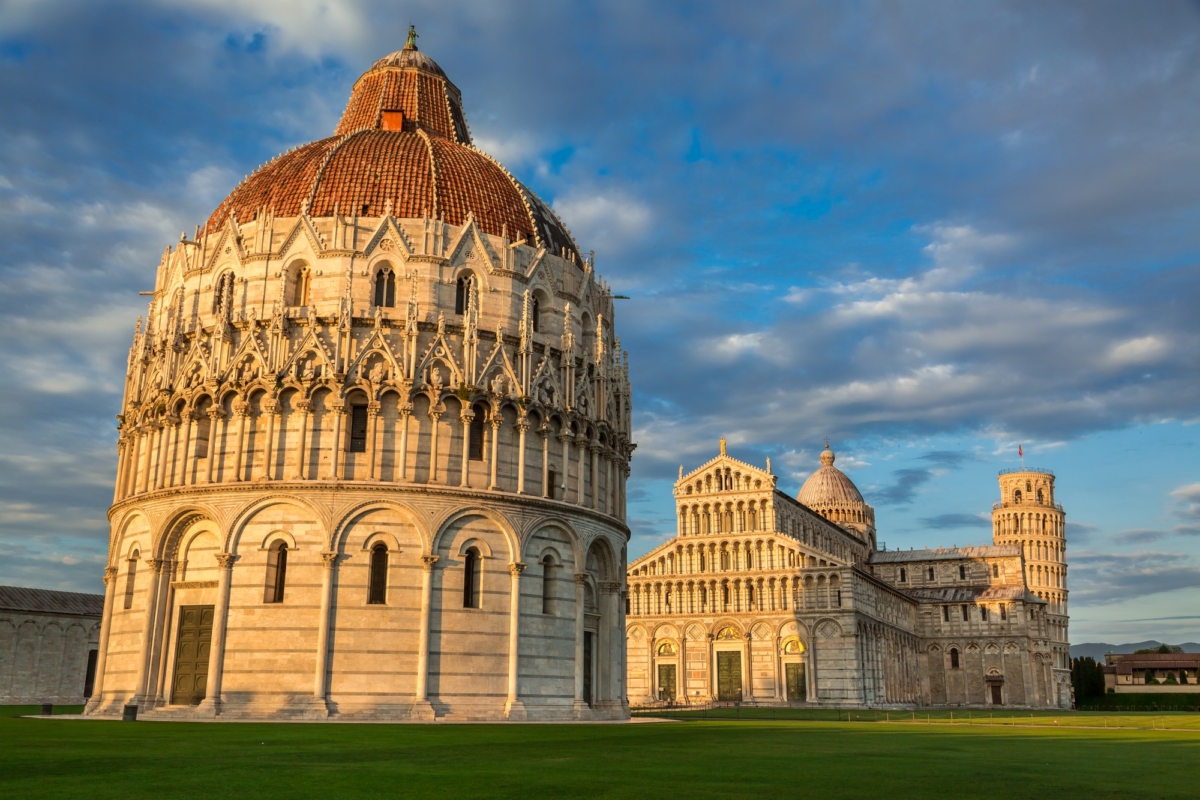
column 373, row 444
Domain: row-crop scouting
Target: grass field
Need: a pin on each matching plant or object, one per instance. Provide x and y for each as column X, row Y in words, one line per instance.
column 696, row 758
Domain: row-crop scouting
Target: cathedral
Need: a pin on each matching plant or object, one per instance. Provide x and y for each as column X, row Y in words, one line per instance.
column 767, row 599
column 373, row 444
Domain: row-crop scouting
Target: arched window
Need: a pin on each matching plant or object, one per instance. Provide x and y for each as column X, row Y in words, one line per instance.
column 962, row 572
column 471, row 578
column 462, row 292
column 953, row 658
column 385, row 288
column 549, row 576
column 377, row 588
column 223, row 294
column 725, row 596
column 535, row 315
column 131, row 578
column 995, row 570
column 931, row 573
column 476, row 437
column 1017, row 496
column 276, row 571
column 1040, row 497
column 903, row 575
column 300, row 290
column 1003, row 612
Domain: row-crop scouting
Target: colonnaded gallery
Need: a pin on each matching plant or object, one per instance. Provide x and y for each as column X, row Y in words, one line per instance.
column 372, row 462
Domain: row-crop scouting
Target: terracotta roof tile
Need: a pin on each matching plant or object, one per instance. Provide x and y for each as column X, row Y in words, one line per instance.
column 47, row 601
column 365, row 166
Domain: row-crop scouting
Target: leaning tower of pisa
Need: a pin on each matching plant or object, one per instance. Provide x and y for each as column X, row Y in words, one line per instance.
column 1028, row 516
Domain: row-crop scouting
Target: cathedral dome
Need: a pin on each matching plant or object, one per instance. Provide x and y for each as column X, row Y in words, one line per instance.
column 828, row 485
column 402, row 148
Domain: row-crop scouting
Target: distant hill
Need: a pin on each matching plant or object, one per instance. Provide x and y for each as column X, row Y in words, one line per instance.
column 1097, row 649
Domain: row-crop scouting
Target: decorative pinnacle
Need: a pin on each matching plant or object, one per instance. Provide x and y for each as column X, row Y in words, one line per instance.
column 722, row 445
column 411, row 44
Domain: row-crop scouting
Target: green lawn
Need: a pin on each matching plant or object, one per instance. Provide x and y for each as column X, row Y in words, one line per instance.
column 725, row 758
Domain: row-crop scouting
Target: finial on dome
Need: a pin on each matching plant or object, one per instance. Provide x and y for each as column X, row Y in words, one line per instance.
column 411, row 44
column 827, row 456
column 722, row 445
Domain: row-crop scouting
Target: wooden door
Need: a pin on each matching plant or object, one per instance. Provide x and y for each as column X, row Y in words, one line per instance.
column 997, row 697
column 797, row 690
column 729, row 675
column 191, row 654
column 666, row 682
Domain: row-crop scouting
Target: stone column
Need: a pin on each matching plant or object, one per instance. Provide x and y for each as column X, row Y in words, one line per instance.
column 189, row 454
column 122, row 463
column 155, row 692
column 513, row 707
column 565, row 438
column 712, row 669
column 580, row 583
column 215, row 415
column 320, row 687
column 211, row 705
column 402, row 456
column 750, row 664
column 373, row 450
column 146, row 642
column 339, row 446
column 160, row 471
column 148, row 449
column 422, row 708
column 613, row 631
column 97, row 698
column 595, row 476
column 242, row 412
column 302, row 445
column 496, row 422
column 271, row 409
column 466, row 418
column 435, row 416
column 522, row 429
column 172, row 452
column 582, row 498
column 545, row 432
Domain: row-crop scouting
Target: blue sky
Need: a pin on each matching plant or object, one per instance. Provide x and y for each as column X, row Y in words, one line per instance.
column 927, row 231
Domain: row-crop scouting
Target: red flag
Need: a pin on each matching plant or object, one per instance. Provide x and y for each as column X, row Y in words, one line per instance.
column 1020, row 452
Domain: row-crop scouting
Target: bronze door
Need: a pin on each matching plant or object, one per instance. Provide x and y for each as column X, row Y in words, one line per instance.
column 797, row 691
column 997, row 699
column 729, row 675
column 191, row 654
column 666, row 682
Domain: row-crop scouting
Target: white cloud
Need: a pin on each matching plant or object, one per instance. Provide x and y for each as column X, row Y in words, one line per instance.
column 1139, row 351
column 611, row 218
column 311, row 27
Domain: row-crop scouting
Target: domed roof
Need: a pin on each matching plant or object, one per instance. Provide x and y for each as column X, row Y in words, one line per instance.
column 403, row 143
column 828, row 485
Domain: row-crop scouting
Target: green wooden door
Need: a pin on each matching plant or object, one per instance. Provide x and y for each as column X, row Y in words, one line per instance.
column 729, row 675
column 797, row 691
column 191, row 654
column 666, row 682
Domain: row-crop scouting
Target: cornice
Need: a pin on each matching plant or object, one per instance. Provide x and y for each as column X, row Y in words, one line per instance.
column 481, row 496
